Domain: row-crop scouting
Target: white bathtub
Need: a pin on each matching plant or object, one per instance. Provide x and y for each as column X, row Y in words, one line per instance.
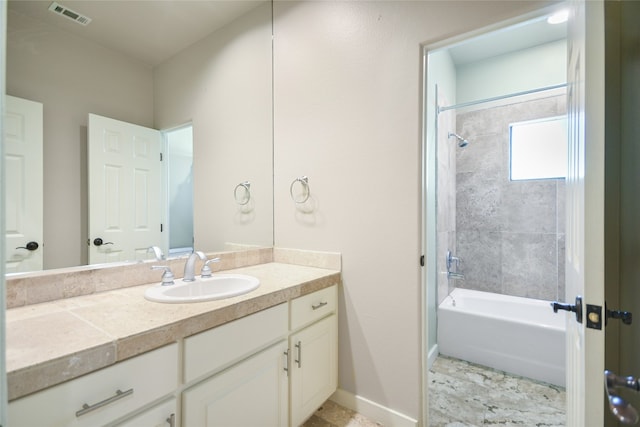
column 521, row 336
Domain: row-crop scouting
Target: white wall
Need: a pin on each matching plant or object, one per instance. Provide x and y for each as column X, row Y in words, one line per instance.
column 71, row 77
column 536, row 67
column 347, row 106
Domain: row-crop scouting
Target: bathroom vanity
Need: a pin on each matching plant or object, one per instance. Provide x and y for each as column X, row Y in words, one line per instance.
column 266, row 358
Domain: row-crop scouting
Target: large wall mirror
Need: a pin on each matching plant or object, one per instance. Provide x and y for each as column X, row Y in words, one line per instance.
column 162, row 65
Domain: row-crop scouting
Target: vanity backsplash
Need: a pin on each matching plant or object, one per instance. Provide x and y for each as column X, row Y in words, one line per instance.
column 37, row 287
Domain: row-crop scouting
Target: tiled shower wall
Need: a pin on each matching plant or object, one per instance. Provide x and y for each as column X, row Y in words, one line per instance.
column 508, row 234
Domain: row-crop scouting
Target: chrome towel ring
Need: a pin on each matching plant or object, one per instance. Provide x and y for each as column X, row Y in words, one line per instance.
column 304, row 193
column 242, row 193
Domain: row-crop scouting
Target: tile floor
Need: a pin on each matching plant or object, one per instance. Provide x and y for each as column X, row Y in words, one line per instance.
column 333, row 415
column 463, row 394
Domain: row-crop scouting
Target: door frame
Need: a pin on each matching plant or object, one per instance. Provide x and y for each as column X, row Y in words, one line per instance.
column 3, row 371
column 428, row 183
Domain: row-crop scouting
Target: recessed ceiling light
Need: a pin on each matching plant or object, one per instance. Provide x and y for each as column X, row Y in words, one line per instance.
column 558, row 17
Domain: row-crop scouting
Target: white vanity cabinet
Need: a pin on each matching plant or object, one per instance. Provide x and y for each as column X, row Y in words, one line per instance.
column 313, row 352
column 238, row 372
column 251, row 393
column 101, row 397
column 272, row 368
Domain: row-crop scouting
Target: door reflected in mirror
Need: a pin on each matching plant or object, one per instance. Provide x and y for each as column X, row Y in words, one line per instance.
column 23, row 172
column 125, row 190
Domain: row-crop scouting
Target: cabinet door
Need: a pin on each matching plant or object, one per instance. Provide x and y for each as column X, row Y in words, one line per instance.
column 251, row 393
column 162, row 415
column 314, row 368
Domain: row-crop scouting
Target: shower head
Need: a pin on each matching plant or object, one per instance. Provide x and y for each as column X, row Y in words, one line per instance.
column 461, row 141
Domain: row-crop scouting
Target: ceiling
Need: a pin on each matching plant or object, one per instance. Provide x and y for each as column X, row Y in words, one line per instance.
column 511, row 39
column 155, row 30
column 151, row 31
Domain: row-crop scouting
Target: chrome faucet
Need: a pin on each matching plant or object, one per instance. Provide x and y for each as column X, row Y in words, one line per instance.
column 190, row 266
column 157, row 252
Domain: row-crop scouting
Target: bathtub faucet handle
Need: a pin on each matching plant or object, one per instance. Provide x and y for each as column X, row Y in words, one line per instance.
column 577, row 308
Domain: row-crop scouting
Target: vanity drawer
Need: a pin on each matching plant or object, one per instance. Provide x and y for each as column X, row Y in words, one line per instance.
column 311, row 307
column 140, row 380
column 218, row 347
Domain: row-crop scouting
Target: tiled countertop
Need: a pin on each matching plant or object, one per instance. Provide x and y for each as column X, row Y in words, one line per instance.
column 53, row 342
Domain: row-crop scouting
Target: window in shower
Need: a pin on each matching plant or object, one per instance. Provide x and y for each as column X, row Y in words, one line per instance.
column 538, row 149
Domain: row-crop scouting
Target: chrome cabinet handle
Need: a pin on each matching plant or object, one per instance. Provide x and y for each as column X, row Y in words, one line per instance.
column 319, row 305
column 299, row 359
column 286, row 362
column 86, row 408
column 171, row 420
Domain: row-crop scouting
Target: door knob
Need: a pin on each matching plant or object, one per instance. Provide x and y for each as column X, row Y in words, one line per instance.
column 31, row 246
column 622, row 410
column 625, row 316
column 576, row 308
column 99, row 242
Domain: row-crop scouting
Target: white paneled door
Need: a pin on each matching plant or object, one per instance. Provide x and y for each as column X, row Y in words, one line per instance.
column 585, row 213
column 125, row 190
column 23, row 162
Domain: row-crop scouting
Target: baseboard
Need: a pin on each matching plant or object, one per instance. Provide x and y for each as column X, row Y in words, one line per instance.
column 375, row 412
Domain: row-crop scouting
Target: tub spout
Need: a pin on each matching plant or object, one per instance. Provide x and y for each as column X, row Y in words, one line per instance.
column 455, row 276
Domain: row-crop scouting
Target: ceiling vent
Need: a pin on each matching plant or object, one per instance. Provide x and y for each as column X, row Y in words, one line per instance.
column 70, row 14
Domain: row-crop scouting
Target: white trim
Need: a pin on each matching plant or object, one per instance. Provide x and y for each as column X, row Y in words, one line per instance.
column 3, row 68
column 372, row 410
column 433, row 355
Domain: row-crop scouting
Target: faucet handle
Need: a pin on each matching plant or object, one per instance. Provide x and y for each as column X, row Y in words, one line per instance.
column 167, row 276
column 206, row 270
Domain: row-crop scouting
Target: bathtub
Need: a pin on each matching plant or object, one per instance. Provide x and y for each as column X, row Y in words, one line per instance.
column 520, row 336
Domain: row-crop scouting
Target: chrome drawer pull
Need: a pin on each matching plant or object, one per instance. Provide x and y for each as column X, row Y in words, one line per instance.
column 286, row 363
column 171, row 420
column 86, row 408
column 320, row 304
column 299, row 359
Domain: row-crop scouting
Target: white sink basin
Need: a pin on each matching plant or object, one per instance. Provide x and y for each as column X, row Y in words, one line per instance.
column 218, row 286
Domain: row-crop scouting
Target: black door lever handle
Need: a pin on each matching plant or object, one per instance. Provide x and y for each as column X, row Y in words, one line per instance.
column 625, row 316
column 99, row 242
column 31, row 246
column 576, row 308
